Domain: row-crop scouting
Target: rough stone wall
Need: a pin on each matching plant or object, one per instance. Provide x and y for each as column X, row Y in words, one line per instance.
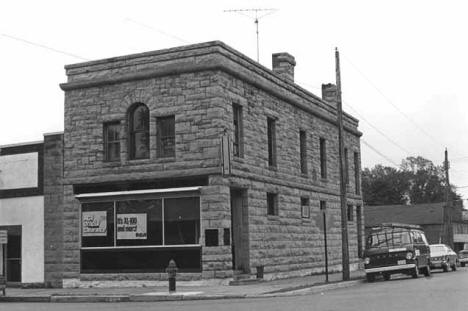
column 202, row 103
column 288, row 242
column 191, row 97
column 216, row 214
column 53, row 210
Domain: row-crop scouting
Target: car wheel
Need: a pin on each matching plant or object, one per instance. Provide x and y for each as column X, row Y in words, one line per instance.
column 386, row 276
column 462, row 264
column 415, row 272
column 454, row 267
column 445, row 267
column 427, row 271
column 370, row 277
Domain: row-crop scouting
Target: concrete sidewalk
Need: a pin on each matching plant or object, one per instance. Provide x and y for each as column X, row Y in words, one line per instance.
column 282, row 287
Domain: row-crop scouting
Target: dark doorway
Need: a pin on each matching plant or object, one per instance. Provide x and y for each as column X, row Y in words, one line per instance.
column 240, row 231
column 12, row 255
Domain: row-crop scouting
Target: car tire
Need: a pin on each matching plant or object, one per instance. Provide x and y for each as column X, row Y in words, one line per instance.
column 415, row 272
column 427, row 271
column 370, row 277
column 386, row 276
column 445, row 267
column 454, row 267
column 462, row 264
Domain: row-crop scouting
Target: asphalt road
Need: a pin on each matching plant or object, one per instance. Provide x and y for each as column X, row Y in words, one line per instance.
column 442, row 291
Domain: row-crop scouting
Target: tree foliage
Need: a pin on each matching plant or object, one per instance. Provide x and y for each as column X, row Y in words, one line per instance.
column 417, row 181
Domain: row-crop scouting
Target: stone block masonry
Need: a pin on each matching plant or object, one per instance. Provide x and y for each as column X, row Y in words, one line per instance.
column 198, row 84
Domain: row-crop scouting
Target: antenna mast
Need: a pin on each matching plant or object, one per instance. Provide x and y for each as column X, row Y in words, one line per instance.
column 256, row 20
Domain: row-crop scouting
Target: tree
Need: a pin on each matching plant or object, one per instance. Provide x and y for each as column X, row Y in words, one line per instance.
column 417, row 181
column 384, row 185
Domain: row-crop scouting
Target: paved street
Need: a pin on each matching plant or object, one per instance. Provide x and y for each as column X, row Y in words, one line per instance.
column 443, row 291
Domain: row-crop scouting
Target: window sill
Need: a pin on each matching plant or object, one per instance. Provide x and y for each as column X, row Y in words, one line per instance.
column 165, row 159
column 273, row 168
column 273, row 217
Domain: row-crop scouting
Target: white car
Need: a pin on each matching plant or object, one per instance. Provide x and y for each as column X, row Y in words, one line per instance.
column 443, row 257
column 463, row 257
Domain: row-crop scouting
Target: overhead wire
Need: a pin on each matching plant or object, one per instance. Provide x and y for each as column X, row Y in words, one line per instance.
column 16, row 38
column 391, row 103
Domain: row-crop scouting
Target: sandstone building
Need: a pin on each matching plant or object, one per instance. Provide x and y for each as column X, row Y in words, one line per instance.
column 201, row 155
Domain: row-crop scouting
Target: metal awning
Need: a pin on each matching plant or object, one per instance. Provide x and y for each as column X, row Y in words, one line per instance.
column 135, row 192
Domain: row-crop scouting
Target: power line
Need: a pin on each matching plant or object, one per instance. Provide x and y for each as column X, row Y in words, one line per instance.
column 361, row 117
column 378, row 130
column 157, row 30
column 43, row 46
column 392, row 104
column 379, row 153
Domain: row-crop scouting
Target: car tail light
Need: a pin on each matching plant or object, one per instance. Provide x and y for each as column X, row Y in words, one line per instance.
column 367, row 260
column 409, row 255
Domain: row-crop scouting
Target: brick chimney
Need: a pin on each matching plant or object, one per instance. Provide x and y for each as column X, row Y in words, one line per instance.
column 329, row 92
column 283, row 65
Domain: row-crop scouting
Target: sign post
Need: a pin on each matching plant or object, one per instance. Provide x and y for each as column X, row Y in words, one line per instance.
column 3, row 242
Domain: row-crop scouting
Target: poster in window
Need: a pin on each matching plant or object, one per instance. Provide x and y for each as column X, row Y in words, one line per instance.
column 95, row 223
column 131, row 226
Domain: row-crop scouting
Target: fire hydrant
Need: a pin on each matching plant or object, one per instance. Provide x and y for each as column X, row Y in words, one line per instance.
column 171, row 273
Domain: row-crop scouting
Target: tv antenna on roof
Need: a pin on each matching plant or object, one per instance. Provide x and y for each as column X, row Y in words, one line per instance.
column 256, row 18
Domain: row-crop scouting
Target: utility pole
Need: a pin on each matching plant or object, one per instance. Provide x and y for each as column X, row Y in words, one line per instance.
column 256, row 21
column 448, row 230
column 344, row 211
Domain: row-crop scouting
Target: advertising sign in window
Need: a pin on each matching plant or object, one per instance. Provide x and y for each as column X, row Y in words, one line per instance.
column 131, row 226
column 94, row 223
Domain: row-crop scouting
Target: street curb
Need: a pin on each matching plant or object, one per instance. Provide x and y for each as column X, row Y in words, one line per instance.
column 313, row 289
column 284, row 292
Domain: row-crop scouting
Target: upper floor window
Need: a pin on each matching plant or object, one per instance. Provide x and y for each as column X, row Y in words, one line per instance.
column 272, row 204
column 139, row 132
column 357, row 181
column 238, row 131
column 350, row 213
column 346, row 166
column 303, row 151
column 323, row 158
column 165, row 137
column 112, row 141
column 271, row 133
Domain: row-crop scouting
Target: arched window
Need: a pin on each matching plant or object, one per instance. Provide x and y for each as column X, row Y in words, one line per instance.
column 139, row 132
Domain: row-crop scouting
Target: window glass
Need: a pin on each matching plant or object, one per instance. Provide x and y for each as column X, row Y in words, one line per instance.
column 303, row 151
column 181, row 221
column 271, row 133
column 323, row 158
column 388, row 238
column 112, row 141
column 272, row 204
column 237, row 122
column 165, row 136
column 97, row 221
column 139, row 132
column 139, row 222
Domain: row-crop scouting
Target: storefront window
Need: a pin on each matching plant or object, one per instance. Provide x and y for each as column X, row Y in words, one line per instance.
column 139, row 222
column 97, row 224
column 181, row 221
column 141, row 235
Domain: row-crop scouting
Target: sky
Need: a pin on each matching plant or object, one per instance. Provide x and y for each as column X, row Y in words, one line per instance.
column 403, row 63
